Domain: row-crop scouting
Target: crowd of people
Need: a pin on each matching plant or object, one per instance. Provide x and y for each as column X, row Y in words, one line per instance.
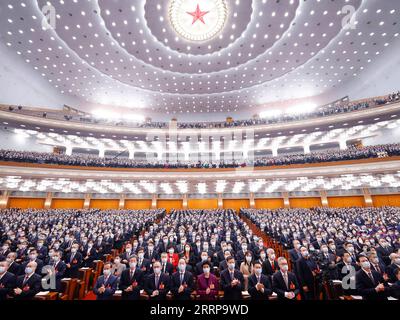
column 327, row 110
column 201, row 252
column 359, row 247
column 352, row 153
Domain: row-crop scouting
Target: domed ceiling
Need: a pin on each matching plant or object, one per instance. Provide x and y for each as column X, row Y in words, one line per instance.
column 198, row 56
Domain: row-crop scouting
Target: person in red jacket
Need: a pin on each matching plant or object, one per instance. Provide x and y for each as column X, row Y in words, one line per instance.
column 173, row 257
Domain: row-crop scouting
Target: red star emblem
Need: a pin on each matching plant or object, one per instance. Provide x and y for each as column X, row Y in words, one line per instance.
column 198, row 15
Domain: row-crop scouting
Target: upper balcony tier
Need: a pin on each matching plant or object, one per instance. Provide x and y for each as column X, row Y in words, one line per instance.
column 74, row 121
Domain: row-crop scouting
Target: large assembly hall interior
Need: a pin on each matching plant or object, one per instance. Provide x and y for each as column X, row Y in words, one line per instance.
column 200, row 150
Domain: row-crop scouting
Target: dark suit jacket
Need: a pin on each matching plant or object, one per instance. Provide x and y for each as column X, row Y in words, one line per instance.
column 163, row 286
column 110, row 285
column 188, row 283
column 7, row 284
column 304, row 274
column 366, row 287
column 38, row 268
column 14, row 268
column 395, row 290
column 254, row 293
column 144, row 266
column 30, row 288
column 279, row 285
column 137, row 282
column 60, row 269
column 168, row 269
column 75, row 263
column 267, row 267
column 232, row 293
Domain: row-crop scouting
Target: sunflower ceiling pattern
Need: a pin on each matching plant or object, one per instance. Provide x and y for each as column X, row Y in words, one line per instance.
column 130, row 53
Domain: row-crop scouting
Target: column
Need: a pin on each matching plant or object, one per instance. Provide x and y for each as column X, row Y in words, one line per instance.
column 220, row 201
column 48, row 201
column 185, row 201
column 122, row 202
column 86, row 203
column 367, row 197
column 154, row 201
column 68, row 150
column 306, row 149
column 286, row 202
column 342, row 144
column 274, row 152
column 131, row 154
column 252, row 201
column 4, row 199
column 324, row 198
column 101, row 153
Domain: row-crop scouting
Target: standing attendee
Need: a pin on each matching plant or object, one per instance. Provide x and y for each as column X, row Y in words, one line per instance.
column 28, row 285
column 182, row 284
column 157, row 284
column 259, row 285
column 284, row 282
column 131, row 281
column 232, row 281
column 7, row 281
column 106, row 284
column 207, row 283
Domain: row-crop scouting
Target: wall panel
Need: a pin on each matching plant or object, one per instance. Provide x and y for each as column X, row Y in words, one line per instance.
column 202, row 203
column 236, row 204
column 269, row 203
column 104, row 204
column 26, row 203
column 392, row 200
column 67, row 203
column 342, row 202
column 137, row 204
column 170, row 204
column 305, row 202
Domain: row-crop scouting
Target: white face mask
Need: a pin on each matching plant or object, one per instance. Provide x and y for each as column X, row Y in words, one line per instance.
column 366, row 265
column 132, row 265
column 285, row 268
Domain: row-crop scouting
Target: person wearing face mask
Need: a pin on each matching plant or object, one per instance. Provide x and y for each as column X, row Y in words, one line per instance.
column 73, row 262
column 151, row 253
column 7, row 281
column 384, row 249
column 173, row 257
column 117, row 267
column 306, row 272
column 376, row 264
column 232, row 281
column 132, row 281
column 13, row 267
column 28, row 284
column 143, row 264
column 369, row 283
column 127, row 254
column 259, row 284
column 5, row 250
column 189, row 256
column 182, row 284
column 207, row 283
column 59, row 268
column 157, row 284
column 33, row 257
column 246, row 268
column 89, row 254
column 284, row 282
column 395, row 265
column 294, row 253
column 349, row 248
column 240, row 256
column 199, row 266
column 270, row 265
column 166, row 266
column 41, row 249
column 106, row 284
